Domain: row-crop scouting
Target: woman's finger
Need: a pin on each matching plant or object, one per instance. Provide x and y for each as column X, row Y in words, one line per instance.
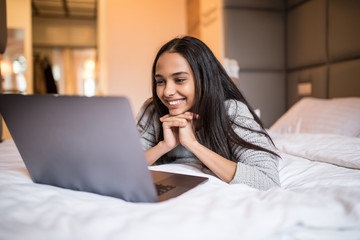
column 187, row 116
column 174, row 122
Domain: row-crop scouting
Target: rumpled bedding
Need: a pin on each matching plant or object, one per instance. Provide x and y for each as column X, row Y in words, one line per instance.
column 317, row 200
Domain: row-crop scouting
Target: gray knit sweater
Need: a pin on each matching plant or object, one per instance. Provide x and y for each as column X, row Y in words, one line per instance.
column 257, row 169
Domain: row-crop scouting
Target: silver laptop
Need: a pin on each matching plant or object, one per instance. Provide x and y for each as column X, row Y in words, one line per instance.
column 88, row 144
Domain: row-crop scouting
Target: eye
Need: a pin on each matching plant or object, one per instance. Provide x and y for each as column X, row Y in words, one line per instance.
column 180, row 80
column 159, row 82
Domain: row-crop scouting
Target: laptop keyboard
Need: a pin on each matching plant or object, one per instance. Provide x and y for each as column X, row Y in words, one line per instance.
column 161, row 189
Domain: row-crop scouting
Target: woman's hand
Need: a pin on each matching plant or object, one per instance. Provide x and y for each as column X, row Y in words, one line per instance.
column 180, row 128
column 171, row 132
column 176, row 129
column 182, row 125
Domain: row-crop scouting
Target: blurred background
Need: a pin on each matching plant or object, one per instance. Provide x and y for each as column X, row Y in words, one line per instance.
column 272, row 49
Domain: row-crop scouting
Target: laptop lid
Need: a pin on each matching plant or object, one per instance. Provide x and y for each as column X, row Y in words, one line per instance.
column 81, row 143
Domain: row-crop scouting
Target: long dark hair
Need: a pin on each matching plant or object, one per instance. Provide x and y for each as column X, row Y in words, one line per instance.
column 213, row 87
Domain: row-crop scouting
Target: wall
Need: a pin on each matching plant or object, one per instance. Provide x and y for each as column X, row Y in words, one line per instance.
column 129, row 35
column 255, row 37
column 20, row 17
column 205, row 21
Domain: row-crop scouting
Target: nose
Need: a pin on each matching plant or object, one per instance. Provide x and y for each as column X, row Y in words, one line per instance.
column 170, row 89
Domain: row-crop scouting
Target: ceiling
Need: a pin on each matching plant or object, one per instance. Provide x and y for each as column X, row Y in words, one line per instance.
column 71, row 9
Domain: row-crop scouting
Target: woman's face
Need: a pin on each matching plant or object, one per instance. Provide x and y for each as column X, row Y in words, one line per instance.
column 175, row 84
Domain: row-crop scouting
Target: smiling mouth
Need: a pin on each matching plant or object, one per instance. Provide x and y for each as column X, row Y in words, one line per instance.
column 174, row 103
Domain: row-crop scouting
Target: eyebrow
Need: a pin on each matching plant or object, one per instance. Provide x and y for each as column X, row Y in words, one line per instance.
column 174, row 74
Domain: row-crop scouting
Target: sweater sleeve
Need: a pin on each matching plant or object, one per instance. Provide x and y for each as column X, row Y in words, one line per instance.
column 255, row 168
column 148, row 134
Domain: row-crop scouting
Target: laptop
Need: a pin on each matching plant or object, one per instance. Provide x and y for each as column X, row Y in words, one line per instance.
column 88, row 144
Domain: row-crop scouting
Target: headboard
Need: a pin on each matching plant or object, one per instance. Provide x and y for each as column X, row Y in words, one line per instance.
column 323, row 49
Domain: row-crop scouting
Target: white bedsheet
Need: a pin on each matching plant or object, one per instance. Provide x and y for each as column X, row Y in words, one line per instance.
column 317, row 200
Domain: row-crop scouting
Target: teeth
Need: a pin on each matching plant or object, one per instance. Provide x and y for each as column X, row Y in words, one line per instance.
column 174, row 102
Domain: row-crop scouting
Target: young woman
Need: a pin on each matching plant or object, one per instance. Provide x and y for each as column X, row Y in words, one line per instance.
column 198, row 116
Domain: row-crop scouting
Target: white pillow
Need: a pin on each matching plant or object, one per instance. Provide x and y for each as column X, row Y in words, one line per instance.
column 313, row 115
column 334, row 149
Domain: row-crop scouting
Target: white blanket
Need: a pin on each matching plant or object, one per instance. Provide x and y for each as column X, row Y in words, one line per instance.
column 317, row 200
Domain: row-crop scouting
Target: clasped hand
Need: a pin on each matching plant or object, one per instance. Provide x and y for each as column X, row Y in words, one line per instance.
column 178, row 129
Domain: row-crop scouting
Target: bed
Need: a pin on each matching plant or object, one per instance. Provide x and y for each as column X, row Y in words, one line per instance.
column 319, row 197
